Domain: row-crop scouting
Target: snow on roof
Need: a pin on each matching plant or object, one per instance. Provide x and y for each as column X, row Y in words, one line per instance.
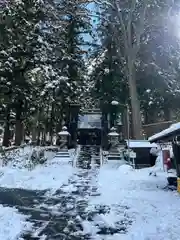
column 114, row 134
column 64, row 133
column 114, row 102
column 172, row 129
column 89, row 121
column 140, row 144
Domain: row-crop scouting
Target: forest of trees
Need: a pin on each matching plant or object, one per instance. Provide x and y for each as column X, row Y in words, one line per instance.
column 47, row 61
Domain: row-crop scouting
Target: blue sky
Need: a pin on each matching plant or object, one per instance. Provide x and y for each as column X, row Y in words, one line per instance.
column 91, row 7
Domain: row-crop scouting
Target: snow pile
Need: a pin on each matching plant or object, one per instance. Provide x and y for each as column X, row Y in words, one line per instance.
column 50, row 175
column 12, row 224
column 125, row 169
column 88, row 228
column 159, row 163
column 158, row 168
column 69, row 188
column 137, row 205
column 115, row 163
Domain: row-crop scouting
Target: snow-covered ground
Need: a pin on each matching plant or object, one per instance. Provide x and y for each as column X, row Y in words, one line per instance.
column 137, row 203
column 12, row 224
column 119, row 202
column 50, row 175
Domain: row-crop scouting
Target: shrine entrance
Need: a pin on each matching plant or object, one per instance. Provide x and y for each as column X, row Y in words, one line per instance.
column 89, row 128
column 89, row 137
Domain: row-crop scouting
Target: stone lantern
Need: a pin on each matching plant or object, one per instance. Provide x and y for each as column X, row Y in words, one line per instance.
column 64, row 136
column 113, row 137
column 114, row 112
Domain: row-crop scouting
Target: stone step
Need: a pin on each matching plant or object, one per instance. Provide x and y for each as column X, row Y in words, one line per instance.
column 113, row 150
column 63, row 154
column 114, row 153
column 114, row 158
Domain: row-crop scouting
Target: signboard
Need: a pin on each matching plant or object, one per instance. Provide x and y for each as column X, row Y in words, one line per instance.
column 132, row 154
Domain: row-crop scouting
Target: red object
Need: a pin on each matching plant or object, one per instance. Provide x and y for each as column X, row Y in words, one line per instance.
column 166, row 158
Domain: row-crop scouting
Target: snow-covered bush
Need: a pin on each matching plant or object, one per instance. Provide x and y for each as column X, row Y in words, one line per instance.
column 37, row 156
column 23, row 157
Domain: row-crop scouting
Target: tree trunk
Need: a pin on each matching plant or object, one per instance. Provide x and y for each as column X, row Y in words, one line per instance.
column 34, row 131
column 125, row 122
column 151, row 116
column 38, row 136
column 135, row 104
column 52, row 122
column 167, row 113
column 19, row 126
column 35, row 127
column 6, row 136
column 18, row 133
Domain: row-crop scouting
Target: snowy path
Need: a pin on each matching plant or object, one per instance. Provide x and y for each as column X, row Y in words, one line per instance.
column 57, row 213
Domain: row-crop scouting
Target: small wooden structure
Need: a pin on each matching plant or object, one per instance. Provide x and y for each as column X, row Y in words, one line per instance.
column 142, row 150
